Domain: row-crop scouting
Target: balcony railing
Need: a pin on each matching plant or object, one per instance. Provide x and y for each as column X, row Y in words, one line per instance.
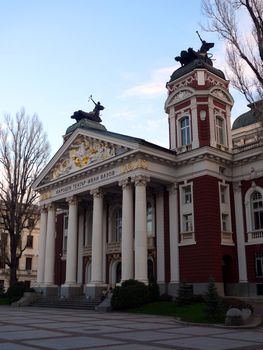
column 255, row 235
column 113, row 247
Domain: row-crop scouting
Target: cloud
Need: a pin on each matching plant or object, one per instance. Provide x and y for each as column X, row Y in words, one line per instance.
column 152, row 88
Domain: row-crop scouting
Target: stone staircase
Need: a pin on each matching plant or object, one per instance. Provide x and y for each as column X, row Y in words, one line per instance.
column 78, row 302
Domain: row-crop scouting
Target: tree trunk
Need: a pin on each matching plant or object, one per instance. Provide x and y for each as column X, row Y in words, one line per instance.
column 13, row 275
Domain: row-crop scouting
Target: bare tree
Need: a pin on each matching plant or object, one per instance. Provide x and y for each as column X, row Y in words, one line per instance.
column 244, row 50
column 24, row 150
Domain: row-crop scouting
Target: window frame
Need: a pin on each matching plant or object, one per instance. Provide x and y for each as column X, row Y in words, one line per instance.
column 185, row 130
column 220, row 130
column 259, row 257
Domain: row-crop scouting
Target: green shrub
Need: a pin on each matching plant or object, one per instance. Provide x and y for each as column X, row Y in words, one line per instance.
column 2, row 291
column 185, row 294
column 165, row 297
column 16, row 291
column 154, row 290
column 130, row 294
column 212, row 300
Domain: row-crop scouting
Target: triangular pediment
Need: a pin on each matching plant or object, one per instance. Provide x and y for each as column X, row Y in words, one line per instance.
column 79, row 153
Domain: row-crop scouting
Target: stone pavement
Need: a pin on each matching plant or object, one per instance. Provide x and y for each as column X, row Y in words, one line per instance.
column 28, row 328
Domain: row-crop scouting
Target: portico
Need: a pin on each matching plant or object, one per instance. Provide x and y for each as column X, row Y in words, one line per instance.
column 109, row 217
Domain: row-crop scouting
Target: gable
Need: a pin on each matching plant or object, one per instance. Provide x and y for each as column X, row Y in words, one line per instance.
column 84, row 151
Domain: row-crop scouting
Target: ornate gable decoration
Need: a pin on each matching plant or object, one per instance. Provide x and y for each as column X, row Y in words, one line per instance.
column 82, row 153
column 221, row 95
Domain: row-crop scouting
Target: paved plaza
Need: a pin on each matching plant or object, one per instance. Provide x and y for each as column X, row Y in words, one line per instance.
column 28, row 328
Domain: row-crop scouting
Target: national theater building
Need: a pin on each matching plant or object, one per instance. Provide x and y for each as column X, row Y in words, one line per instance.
column 116, row 207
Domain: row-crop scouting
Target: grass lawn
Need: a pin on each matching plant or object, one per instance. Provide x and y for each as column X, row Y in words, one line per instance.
column 4, row 301
column 191, row 313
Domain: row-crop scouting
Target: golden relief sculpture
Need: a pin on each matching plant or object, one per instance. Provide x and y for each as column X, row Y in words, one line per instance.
column 82, row 153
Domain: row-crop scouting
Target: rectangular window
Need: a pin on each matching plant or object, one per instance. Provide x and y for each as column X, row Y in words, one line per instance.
column 187, row 223
column 28, row 263
column 259, row 264
column 220, row 139
column 185, row 131
column 223, row 195
column 65, row 233
column 225, row 226
column 187, row 195
column 29, row 241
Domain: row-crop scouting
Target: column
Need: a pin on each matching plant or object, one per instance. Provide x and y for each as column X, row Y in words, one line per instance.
column 241, row 250
column 97, row 233
column 80, row 246
column 71, row 262
column 141, row 229
column 42, row 247
column 174, row 233
column 160, row 239
column 50, row 246
column 127, row 231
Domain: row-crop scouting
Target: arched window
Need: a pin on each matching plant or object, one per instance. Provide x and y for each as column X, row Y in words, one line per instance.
column 117, row 224
column 256, row 203
column 185, row 131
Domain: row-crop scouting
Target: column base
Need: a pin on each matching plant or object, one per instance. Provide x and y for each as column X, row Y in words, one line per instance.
column 94, row 290
column 173, row 288
column 70, row 290
column 48, row 290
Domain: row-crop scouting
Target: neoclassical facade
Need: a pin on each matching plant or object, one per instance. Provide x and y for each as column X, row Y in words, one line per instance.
column 115, row 207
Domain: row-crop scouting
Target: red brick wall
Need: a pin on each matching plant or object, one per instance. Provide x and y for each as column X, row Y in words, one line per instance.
column 204, row 259
column 203, row 126
column 251, row 270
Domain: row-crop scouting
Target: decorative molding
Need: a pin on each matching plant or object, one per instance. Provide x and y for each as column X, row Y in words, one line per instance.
column 96, row 193
column 221, row 95
column 173, row 189
column 181, row 95
column 72, row 200
column 237, row 186
column 126, row 183
column 140, row 180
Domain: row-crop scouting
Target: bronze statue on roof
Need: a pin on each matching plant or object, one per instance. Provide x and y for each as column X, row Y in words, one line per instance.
column 190, row 55
column 93, row 115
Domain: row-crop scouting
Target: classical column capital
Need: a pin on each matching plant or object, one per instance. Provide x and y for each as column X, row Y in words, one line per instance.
column 237, row 186
column 125, row 183
column 96, row 193
column 140, row 180
column 51, row 206
column 72, row 200
column 43, row 209
column 172, row 189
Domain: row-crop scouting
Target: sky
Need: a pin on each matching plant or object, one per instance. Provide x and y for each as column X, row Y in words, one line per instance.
column 56, row 53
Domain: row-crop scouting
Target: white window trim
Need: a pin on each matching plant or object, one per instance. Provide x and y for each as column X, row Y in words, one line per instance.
column 221, row 115
column 178, row 128
column 225, row 208
column 152, row 202
column 254, row 236
column 65, row 234
column 110, row 225
column 186, row 238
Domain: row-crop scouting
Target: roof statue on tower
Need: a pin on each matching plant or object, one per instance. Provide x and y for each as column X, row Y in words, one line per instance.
column 190, row 55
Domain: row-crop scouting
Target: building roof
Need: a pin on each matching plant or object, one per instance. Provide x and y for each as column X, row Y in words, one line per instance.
column 99, row 128
column 195, row 64
column 251, row 117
